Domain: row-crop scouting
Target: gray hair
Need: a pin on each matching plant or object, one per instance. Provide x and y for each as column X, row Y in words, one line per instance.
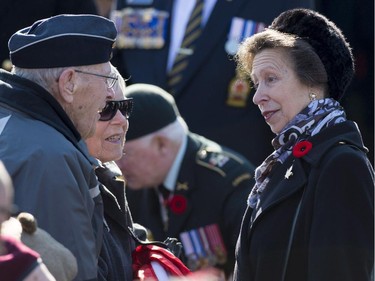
column 175, row 132
column 121, row 83
column 44, row 77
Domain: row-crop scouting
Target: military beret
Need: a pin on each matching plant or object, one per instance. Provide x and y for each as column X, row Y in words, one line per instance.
column 153, row 109
column 328, row 42
column 62, row 41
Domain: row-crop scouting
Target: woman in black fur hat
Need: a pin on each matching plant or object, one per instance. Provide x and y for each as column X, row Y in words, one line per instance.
column 310, row 213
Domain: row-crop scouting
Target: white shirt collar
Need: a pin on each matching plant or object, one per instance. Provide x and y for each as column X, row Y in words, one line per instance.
column 170, row 180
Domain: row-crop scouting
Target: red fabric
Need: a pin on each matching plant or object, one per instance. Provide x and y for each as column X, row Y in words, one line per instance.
column 143, row 255
column 177, row 204
column 301, row 149
column 17, row 261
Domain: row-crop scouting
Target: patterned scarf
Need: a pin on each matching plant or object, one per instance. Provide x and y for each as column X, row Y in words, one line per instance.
column 317, row 115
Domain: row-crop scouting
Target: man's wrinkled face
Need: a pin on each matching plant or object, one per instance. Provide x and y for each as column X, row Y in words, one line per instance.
column 90, row 98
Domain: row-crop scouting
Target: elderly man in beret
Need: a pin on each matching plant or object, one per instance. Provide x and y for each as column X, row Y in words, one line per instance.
column 52, row 99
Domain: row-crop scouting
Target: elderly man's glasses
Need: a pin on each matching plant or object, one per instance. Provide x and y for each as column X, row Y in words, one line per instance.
column 110, row 109
column 110, row 80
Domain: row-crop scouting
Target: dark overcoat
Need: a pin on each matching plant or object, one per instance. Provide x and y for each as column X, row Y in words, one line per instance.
column 334, row 228
column 115, row 260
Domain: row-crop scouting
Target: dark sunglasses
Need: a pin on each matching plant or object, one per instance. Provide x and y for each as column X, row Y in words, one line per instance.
column 110, row 109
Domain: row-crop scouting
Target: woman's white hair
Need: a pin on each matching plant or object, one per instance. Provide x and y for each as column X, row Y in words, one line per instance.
column 121, row 82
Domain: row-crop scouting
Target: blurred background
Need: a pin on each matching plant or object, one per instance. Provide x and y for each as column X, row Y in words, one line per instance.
column 356, row 20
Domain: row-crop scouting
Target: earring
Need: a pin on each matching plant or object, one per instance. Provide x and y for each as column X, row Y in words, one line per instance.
column 312, row 96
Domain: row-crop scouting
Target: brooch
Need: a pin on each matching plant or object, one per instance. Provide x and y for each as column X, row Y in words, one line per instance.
column 177, row 204
column 289, row 172
column 299, row 150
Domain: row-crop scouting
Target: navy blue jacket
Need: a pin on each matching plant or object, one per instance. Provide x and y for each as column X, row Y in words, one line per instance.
column 115, row 261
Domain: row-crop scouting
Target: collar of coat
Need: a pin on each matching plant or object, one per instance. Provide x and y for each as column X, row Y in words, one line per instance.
column 345, row 133
column 29, row 98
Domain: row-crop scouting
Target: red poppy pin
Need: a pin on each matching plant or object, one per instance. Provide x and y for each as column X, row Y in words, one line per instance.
column 178, row 204
column 301, row 149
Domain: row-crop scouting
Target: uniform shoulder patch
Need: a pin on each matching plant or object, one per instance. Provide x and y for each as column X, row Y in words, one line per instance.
column 213, row 158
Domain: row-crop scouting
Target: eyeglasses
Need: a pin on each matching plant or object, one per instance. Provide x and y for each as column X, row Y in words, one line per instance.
column 110, row 109
column 110, row 80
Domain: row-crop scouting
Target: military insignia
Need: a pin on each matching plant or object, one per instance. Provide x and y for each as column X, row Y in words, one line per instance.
column 239, row 88
column 238, row 92
column 190, row 254
column 142, row 28
column 202, row 153
column 204, row 247
column 241, row 178
column 231, row 46
column 240, row 29
column 139, row 2
column 289, row 172
column 218, row 160
column 213, row 158
column 120, row 178
column 182, row 186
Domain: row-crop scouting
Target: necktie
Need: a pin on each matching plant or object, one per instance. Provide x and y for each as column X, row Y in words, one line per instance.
column 192, row 32
column 164, row 192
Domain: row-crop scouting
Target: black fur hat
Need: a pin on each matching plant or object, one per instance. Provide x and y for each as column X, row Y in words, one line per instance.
column 327, row 40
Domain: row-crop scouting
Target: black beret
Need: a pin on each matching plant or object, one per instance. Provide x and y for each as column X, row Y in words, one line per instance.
column 62, row 41
column 328, row 42
column 153, row 109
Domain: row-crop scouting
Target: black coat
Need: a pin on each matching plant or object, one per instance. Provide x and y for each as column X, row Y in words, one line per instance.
column 115, row 261
column 334, row 231
column 203, row 96
column 216, row 193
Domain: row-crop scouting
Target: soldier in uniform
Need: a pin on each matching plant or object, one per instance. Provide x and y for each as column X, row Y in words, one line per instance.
column 181, row 184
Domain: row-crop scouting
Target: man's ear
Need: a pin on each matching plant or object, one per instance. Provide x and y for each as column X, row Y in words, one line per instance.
column 161, row 143
column 67, row 85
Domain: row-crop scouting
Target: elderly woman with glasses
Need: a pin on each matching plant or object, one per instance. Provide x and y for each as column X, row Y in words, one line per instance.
column 115, row 262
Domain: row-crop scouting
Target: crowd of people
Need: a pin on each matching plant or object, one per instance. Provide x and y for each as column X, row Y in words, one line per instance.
column 247, row 168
